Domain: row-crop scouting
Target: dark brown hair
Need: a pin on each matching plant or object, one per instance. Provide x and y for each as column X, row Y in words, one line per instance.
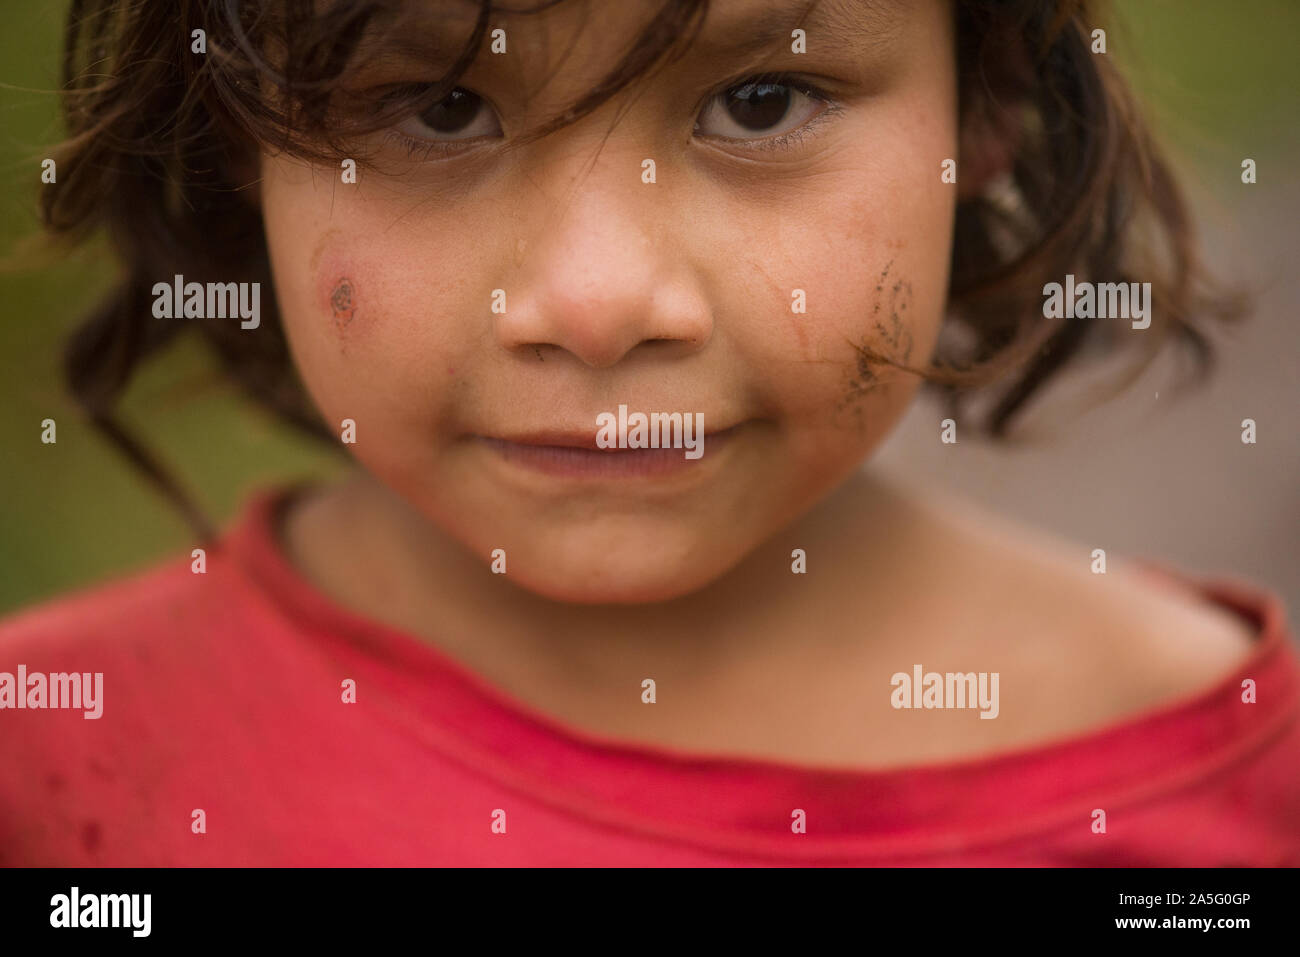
column 161, row 143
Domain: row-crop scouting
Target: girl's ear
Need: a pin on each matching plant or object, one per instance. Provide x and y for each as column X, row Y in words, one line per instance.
column 988, row 142
column 992, row 128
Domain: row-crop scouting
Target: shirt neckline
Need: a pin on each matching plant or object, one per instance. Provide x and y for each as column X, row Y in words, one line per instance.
column 743, row 804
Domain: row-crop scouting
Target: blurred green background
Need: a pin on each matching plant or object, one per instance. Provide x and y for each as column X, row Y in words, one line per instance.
column 1216, row 74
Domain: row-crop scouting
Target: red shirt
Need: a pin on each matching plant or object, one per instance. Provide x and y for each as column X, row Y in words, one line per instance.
column 223, row 692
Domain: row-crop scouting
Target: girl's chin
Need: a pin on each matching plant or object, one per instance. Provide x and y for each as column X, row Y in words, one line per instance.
column 624, row 561
column 601, row 585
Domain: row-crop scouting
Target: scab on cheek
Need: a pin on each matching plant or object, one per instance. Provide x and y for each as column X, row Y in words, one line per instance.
column 343, row 303
column 338, row 299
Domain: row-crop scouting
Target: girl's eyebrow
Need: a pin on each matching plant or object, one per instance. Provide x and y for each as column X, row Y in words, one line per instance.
column 835, row 26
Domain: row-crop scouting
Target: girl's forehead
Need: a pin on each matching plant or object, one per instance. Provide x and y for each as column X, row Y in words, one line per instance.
column 718, row 26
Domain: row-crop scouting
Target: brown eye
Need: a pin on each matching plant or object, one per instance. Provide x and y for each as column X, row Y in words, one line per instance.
column 453, row 114
column 758, row 106
column 762, row 105
column 461, row 115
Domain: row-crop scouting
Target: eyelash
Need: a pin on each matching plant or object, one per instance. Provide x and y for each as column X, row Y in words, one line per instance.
column 417, row 148
column 791, row 138
column 425, row 149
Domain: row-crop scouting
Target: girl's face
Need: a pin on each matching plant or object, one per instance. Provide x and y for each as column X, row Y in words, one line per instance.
column 721, row 250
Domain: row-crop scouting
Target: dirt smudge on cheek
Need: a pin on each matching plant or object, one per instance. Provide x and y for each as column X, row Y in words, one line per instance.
column 889, row 339
column 891, row 326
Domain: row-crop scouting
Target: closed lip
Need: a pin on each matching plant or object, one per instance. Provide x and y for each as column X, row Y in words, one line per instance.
column 576, row 456
column 586, row 439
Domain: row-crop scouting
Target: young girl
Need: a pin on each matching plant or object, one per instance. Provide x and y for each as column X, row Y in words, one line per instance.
column 610, row 303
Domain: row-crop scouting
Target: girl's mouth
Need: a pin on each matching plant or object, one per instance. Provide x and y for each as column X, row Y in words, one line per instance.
column 577, row 455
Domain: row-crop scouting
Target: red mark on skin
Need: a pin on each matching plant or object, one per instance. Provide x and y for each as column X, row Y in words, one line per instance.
column 799, row 331
column 795, row 319
column 342, row 303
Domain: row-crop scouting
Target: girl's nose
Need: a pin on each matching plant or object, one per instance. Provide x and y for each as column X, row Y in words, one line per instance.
column 604, row 271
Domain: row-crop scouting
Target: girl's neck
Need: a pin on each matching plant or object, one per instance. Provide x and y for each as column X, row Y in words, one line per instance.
column 365, row 547
column 793, row 666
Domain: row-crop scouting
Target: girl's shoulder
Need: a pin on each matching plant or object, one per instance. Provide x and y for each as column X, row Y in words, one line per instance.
column 1108, row 635
column 1082, row 640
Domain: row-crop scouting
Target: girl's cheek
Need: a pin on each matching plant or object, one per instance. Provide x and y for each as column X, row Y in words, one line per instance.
column 341, row 299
